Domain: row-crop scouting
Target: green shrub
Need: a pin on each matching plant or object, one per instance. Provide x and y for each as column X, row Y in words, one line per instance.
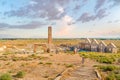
column 117, row 76
column 33, row 55
column 46, row 76
column 119, row 60
column 5, row 76
column 58, row 63
column 20, row 74
column 49, row 63
column 15, row 59
column 111, row 76
column 69, row 65
column 84, row 55
column 105, row 60
column 8, row 63
column 40, row 62
column 117, row 71
column 102, row 58
column 51, row 55
column 108, row 68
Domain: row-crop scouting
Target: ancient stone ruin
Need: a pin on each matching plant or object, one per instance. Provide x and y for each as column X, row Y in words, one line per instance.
column 95, row 46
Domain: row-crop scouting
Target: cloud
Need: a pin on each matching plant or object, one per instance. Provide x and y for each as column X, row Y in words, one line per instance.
column 86, row 17
column 68, row 20
column 64, row 29
column 40, row 9
column 103, row 33
column 31, row 25
column 111, row 33
column 109, row 22
column 101, row 13
column 115, row 2
column 77, row 7
column 79, row 4
column 117, row 21
column 7, row 36
column 84, row 1
column 99, row 3
column 19, row 13
column 52, row 10
column 32, row 3
column 61, row 9
column 4, row 25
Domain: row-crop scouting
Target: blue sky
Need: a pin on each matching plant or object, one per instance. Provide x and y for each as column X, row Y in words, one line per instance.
column 69, row 18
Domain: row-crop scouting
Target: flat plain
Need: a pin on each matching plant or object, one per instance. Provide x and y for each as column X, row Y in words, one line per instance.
column 48, row 66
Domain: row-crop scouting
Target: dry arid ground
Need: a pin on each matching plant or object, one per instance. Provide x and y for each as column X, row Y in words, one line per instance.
column 38, row 66
column 55, row 41
column 48, row 66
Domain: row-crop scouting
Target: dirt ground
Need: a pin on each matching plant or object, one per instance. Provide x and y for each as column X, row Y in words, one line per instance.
column 45, row 66
column 84, row 71
column 39, row 66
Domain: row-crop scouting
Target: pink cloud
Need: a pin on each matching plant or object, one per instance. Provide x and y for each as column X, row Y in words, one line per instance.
column 64, row 31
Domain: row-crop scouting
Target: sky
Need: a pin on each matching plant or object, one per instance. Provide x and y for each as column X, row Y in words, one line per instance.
column 68, row 18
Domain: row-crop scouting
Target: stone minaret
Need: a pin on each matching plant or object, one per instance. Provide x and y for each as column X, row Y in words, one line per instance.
column 49, row 35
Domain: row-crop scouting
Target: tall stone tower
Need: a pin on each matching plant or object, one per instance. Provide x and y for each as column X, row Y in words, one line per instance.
column 49, row 35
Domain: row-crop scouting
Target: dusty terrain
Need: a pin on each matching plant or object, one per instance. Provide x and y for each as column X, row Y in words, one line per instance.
column 38, row 67
column 43, row 66
column 84, row 71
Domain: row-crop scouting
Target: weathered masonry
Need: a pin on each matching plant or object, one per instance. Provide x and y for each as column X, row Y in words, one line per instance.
column 95, row 46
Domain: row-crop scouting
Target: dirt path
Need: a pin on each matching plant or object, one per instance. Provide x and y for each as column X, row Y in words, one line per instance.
column 83, row 72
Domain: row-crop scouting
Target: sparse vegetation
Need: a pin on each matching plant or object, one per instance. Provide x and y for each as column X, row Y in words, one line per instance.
column 112, row 71
column 22, row 65
column 111, row 76
column 101, row 57
column 108, row 68
column 6, row 76
column 8, row 63
column 20, row 74
column 15, row 59
column 119, row 60
column 51, row 55
column 117, row 76
column 58, row 63
column 7, row 53
column 69, row 65
column 46, row 76
column 40, row 62
column 49, row 63
column 33, row 55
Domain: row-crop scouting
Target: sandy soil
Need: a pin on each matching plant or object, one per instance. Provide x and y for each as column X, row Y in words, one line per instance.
column 38, row 67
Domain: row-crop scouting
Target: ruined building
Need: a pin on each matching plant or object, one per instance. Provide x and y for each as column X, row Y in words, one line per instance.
column 95, row 46
column 111, row 48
